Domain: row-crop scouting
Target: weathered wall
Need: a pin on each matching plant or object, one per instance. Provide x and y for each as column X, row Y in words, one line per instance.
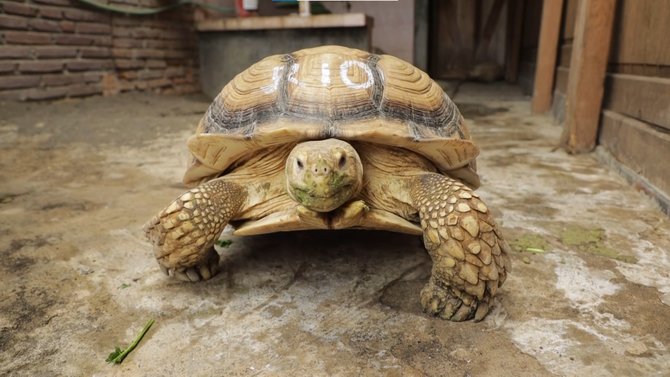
column 53, row 49
column 393, row 28
column 635, row 123
column 635, row 119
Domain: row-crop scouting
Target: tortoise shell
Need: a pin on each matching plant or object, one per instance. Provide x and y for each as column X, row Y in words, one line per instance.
column 331, row 92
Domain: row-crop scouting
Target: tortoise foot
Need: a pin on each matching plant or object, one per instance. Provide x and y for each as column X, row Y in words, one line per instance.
column 449, row 303
column 204, row 269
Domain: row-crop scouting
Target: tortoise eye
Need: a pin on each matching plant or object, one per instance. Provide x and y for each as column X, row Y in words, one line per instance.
column 342, row 161
column 299, row 163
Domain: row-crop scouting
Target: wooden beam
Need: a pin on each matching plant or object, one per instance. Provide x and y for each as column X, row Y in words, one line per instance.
column 546, row 55
column 588, row 65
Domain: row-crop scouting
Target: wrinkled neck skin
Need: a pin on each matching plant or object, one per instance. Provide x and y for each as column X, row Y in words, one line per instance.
column 322, row 175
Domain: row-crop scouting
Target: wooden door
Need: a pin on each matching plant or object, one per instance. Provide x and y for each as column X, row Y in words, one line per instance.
column 467, row 39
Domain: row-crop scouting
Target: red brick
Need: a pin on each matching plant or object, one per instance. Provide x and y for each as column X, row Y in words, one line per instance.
column 174, row 71
column 177, row 54
column 93, row 28
column 189, row 88
column 127, row 42
column 85, row 15
column 78, row 40
column 152, row 63
column 71, row 78
column 102, row 40
column 170, row 44
column 84, row 90
column 67, row 26
column 121, row 31
column 18, row 8
column 13, row 95
column 54, row 2
column 145, row 32
column 148, row 53
column 52, row 13
column 173, row 34
column 44, row 25
column 7, row 67
column 11, row 22
column 157, row 83
column 128, row 63
column 122, row 53
column 19, row 37
column 57, row 80
column 96, row 52
column 55, row 52
column 41, row 66
column 46, row 93
column 110, row 84
column 15, row 52
column 87, row 65
column 93, row 76
column 129, row 75
column 133, row 21
column 150, row 74
column 155, row 43
column 16, row 82
column 125, row 86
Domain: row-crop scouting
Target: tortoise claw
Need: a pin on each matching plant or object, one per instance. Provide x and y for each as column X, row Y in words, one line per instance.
column 204, row 270
column 444, row 303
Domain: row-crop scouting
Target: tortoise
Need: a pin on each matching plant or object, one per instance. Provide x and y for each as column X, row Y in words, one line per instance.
column 337, row 138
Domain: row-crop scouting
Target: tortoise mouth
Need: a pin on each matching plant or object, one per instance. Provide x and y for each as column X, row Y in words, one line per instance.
column 319, row 202
column 307, row 192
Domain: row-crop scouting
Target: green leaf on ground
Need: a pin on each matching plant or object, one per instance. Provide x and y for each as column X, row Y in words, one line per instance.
column 224, row 243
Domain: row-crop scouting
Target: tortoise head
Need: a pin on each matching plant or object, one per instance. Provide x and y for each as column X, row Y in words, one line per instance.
column 323, row 175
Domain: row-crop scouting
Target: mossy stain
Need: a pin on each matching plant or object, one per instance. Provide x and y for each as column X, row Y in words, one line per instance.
column 528, row 242
column 592, row 241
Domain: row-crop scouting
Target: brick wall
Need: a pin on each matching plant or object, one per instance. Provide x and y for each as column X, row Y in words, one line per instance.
column 53, row 49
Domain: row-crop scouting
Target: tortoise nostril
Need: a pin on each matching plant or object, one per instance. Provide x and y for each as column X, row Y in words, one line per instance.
column 342, row 162
column 299, row 163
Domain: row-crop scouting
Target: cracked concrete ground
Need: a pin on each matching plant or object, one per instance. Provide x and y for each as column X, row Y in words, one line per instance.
column 589, row 293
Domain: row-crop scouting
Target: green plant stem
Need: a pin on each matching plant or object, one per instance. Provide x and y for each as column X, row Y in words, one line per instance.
column 131, row 347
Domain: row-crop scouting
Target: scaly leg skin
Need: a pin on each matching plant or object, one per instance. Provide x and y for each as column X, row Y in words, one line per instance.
column 183, row 234
column 469, row 255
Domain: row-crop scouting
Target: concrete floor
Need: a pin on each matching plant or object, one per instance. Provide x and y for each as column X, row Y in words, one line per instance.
column 79, row 178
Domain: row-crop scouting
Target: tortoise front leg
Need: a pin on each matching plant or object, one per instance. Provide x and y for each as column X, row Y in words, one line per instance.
column 183, row 234
column 469, row 255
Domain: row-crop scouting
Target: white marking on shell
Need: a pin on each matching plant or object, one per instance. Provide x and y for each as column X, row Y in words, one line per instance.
column 276, row 77
column 291, row 75
column 344, row 69
column 325, row 74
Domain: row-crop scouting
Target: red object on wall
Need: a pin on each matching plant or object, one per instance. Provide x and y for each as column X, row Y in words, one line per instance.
column 239, row 9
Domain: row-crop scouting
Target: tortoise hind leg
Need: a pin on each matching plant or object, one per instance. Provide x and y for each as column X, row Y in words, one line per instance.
column 183, row 234
column 469, row 256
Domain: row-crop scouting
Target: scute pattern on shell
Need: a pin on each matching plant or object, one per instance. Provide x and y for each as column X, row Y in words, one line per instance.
column 333, row 85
